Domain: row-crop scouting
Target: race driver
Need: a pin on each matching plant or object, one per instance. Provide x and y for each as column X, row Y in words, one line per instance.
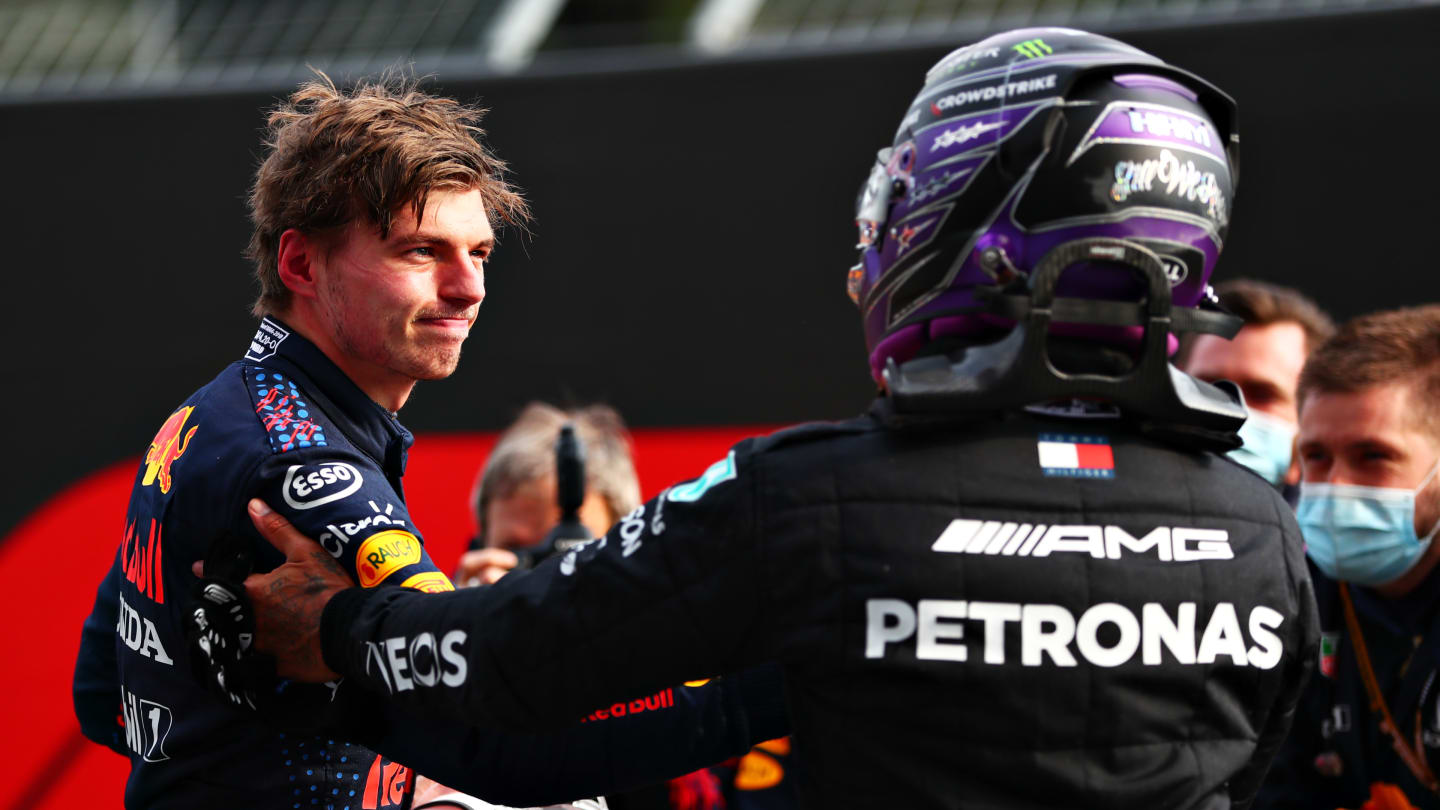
column 374, row 212
column 1026, row 578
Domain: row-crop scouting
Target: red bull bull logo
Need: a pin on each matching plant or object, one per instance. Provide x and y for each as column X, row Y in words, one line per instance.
column 166, row 448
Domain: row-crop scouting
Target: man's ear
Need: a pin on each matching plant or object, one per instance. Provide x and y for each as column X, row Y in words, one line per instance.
column 300, row 256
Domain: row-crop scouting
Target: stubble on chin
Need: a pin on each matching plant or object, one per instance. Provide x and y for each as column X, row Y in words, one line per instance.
column 419, row 361
column 391, row 345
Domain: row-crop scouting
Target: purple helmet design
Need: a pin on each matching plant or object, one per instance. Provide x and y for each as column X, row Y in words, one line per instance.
column 1025, row 141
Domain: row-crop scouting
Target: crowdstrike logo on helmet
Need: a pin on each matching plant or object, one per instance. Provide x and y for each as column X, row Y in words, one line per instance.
column 1002, row 90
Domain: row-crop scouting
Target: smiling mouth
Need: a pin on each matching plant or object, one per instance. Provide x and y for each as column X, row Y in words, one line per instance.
column 456, row 327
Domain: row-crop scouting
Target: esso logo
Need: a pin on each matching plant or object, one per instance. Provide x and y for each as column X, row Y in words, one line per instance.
column 312, row 485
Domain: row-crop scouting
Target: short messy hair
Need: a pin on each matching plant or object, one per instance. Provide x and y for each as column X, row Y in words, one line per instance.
column 1395, row 346
column 1260, row 303
column 525, row 452
column 334, row 156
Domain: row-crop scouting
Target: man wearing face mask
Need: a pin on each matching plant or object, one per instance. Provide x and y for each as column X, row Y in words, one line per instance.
column 1369, row 508
column 1282, row 326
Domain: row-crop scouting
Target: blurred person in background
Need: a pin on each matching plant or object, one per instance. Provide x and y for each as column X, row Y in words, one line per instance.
column 515, row 504
column 1282, row 326
column 1026, row 576
column 1369, row 508
column 515, row 501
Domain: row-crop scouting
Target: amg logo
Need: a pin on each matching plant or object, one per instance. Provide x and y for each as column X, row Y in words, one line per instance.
column 1170, row 544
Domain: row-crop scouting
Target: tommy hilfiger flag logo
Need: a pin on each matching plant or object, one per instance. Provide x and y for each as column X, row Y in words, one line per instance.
column 1070, row 455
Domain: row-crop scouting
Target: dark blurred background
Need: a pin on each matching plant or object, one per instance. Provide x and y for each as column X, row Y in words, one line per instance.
column 692, row 166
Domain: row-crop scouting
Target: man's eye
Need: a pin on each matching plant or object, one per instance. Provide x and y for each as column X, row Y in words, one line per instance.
column 423, row 251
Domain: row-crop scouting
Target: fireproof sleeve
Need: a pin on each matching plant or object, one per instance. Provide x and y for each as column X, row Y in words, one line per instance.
column 619, row 747
column 674, row 591
column 345, row 501
column 96, row 687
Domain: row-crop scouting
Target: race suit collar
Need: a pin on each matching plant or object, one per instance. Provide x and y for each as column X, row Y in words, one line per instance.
column 376, row 431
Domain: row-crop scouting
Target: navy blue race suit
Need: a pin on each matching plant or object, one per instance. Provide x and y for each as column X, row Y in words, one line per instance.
column 286, row 425
column 1011, row 610
column 1337, row 750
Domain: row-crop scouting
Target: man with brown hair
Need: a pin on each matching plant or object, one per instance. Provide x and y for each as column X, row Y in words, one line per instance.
column 1369, row 509
column 374, row 214
column 514, row 501
column 1282, row 326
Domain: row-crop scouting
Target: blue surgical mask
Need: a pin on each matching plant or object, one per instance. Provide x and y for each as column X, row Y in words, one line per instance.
column 1364, row 535
column 1268, row 441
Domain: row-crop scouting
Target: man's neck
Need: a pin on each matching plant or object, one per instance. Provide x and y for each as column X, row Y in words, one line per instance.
column 388, row 389
column 1412, row 578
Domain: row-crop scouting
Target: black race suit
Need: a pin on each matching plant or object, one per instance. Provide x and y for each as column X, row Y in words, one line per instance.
column 969, row 614
column 286, row 425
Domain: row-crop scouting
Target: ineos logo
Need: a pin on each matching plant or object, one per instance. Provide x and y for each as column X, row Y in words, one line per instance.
column 313, row 485
column 402, row 664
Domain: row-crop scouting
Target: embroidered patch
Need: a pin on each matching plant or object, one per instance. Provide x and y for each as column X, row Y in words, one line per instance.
column 268, row 337
column 1329, row 647
column 429, row 582
column 385, row 553
column 167, row 447
column 283, row 412
column 1069, row 455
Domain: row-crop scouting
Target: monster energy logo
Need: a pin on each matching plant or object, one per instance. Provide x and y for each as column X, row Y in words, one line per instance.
column 1033, row 49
